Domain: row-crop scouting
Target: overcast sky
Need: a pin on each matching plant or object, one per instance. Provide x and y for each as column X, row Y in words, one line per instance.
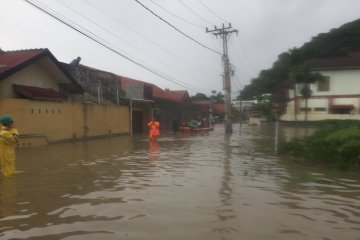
column 266, row 29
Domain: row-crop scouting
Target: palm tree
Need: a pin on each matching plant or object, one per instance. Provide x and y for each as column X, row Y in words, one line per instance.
column 302, row 74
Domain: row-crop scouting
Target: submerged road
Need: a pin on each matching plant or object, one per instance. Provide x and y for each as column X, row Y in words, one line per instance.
column 185, row 186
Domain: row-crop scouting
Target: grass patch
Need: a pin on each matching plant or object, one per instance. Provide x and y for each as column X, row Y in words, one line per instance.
column 334, row 141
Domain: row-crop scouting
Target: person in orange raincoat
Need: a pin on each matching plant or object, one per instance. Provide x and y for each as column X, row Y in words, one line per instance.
column 9, row 136
column 154, row 129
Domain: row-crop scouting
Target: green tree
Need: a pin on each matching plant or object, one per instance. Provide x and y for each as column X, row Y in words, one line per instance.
column 301, row 74
column 199, row 97
column 336, row 43
column 264, row 106
column 217, row 97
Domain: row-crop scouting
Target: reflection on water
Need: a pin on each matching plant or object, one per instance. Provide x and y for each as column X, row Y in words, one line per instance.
column 185, row 186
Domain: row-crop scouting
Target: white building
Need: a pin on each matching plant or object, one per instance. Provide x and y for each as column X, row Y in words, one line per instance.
column 337, row 97
column 243, row 105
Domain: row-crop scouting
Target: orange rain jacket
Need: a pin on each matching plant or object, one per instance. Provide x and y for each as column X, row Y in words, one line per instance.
column 154, row 129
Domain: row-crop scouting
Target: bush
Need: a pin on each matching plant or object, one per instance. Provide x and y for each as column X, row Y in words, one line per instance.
column 337, row 142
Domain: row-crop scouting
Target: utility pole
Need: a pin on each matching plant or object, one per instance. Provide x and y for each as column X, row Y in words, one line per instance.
column 224, row 33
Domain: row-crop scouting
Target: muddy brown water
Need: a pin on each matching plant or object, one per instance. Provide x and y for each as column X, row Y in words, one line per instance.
column 186, row 186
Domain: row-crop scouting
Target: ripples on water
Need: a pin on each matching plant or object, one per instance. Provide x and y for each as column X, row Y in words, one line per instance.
column 186, row 186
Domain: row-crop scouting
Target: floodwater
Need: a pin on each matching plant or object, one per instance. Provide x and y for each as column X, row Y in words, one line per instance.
column 186, row 186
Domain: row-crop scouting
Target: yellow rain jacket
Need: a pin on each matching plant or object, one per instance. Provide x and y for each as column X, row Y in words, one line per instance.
column 8, row 140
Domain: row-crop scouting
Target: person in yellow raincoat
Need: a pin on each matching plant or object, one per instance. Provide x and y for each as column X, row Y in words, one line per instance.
column 154, row 127
column 9, row 136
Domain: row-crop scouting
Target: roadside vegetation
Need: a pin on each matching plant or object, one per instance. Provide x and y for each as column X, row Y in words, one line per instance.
column 333, row 141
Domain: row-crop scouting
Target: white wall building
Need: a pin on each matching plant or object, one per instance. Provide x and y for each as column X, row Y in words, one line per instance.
column 337, row 97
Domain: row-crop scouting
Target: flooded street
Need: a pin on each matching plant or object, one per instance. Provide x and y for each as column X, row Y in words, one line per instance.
column 188, row 186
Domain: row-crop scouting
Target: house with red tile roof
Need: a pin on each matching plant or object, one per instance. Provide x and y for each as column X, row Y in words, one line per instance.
column 46, row 101
column 35, row 74
column 336, row 97
column 144, row 99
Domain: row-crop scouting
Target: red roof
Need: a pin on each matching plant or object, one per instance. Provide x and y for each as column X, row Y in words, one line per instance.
column 219, row 107
column 204, row 105
column 38, row 93
column 350, row 62
column 180, row 96
column 177, row 96
column 11, row 59
column 125, row 81
column 160, row 93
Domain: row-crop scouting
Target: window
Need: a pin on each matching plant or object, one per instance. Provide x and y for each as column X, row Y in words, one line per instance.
column 320, row 109
column 323, row 85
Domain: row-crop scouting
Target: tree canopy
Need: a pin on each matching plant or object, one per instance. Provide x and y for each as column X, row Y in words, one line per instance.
column 336, row 43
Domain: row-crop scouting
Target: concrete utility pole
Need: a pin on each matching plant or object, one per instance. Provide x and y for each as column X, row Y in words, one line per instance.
column 224, row 33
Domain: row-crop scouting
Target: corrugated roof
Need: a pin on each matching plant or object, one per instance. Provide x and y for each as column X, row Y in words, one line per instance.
column 38, row 93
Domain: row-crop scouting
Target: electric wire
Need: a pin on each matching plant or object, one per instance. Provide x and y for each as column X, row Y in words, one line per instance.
column 148, row 39
column 103, row 44
column 110, row 32
column 178, row 17
column 213, row 12
column 189, row 8
column 246, row 55
column 162, row 19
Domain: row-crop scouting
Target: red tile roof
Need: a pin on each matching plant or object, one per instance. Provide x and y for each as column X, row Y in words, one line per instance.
column 12, row 59
column 350, row 62
column 219, row 107
column 125, row 81
column 204, row 105
column 38, row 93
column 160, row 93
column 180, row 95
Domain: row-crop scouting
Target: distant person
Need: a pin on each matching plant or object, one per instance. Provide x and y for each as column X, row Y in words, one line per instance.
column 76, row 62
column 175, row 125
column 211, row 120
column 154, row 129
column 9, row 136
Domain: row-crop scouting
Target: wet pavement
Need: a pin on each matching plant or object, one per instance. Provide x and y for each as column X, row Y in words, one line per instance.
column 185, row 186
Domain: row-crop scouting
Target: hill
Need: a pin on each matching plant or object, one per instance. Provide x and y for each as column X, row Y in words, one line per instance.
column 337, row 42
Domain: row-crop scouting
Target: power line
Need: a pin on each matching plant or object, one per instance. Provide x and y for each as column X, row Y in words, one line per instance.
column 104, row 45
column 213, row 12
column 110, row 32
column 250, row 63
column 189, row 8
column 152, row 12
column 148, row 39
column 194, row 24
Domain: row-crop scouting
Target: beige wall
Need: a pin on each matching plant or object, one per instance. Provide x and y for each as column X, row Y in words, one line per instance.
column 61, row 121
column 42, row 73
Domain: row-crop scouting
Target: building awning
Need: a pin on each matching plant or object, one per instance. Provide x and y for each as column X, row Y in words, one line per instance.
column 342, row 107
column 38, row 93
